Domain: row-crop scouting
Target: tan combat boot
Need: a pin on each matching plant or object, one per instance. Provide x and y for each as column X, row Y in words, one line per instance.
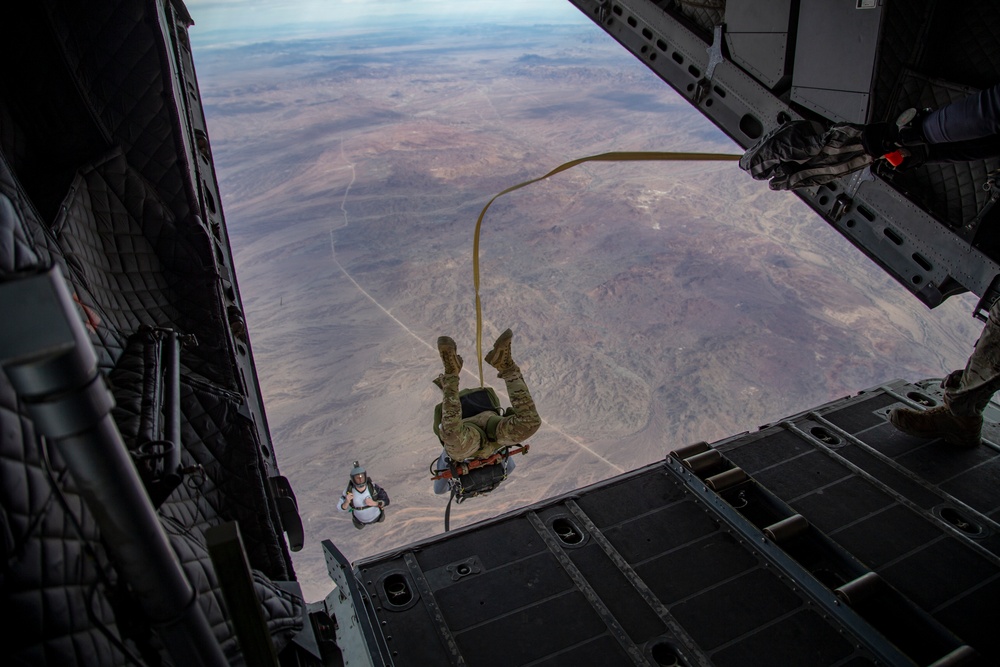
column 452, row 362
column 499, row 357
column 938, row 422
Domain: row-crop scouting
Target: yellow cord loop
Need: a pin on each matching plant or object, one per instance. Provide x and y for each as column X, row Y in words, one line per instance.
column 625, row 156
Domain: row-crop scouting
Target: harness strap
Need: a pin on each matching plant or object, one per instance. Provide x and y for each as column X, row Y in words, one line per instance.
column 447, row 510
column 463, row 467
column 369, row 485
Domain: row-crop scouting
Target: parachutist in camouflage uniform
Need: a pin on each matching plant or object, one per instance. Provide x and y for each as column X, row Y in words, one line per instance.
column 462, row 441
column 966, row 393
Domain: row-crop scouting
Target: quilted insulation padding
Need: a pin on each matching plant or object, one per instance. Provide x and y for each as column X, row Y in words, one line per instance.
column 132, row 267
column 59, row 590
column 282, row 611
column 970, row 35
column 54, row 565
column 216, row 438
column 115, row 52
column 62, row 598
column 706, row 14
column 902, row 39
column 20, row 249
column 51, row 583
column 951, row 191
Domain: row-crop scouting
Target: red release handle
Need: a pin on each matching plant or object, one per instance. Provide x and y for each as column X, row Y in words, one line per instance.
column 895, row 158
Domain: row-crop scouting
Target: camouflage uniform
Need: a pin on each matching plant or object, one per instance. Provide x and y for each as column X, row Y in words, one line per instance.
column 461, row 441
column 968, row 392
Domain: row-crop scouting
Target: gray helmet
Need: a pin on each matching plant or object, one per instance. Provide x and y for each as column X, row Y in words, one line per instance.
column 358, row 470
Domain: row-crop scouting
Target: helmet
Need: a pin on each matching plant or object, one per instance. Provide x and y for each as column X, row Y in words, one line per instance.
column 357, row 470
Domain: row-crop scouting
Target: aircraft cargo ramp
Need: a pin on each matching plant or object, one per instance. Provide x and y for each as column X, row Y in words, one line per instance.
column 828, row 538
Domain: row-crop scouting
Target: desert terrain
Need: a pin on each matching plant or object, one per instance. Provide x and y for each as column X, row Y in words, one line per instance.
column 653, row 304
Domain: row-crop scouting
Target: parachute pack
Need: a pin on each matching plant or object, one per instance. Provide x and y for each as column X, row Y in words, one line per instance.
column 475, row 477
column 475, row 401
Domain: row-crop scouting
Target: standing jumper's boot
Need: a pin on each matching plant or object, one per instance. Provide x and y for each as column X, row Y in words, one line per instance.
column 499, row 357
column 452, row 362
column 938, row 422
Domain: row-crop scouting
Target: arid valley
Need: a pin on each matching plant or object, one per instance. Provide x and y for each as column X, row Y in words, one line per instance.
column 653, row 304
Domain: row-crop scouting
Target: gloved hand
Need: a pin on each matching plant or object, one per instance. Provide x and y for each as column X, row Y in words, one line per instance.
column 879, row 138
column 906, row 157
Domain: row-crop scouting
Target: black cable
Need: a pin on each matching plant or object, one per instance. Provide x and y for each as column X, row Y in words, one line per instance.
column 447, row 510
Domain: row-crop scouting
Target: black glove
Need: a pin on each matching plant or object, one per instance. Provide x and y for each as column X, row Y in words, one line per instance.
column 908, row 130
column 879, row 138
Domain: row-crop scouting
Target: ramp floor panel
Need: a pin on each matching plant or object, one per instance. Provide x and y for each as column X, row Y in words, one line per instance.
column 696, row 575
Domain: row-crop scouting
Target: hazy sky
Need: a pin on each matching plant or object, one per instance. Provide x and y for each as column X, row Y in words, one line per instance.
column 223, row 21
